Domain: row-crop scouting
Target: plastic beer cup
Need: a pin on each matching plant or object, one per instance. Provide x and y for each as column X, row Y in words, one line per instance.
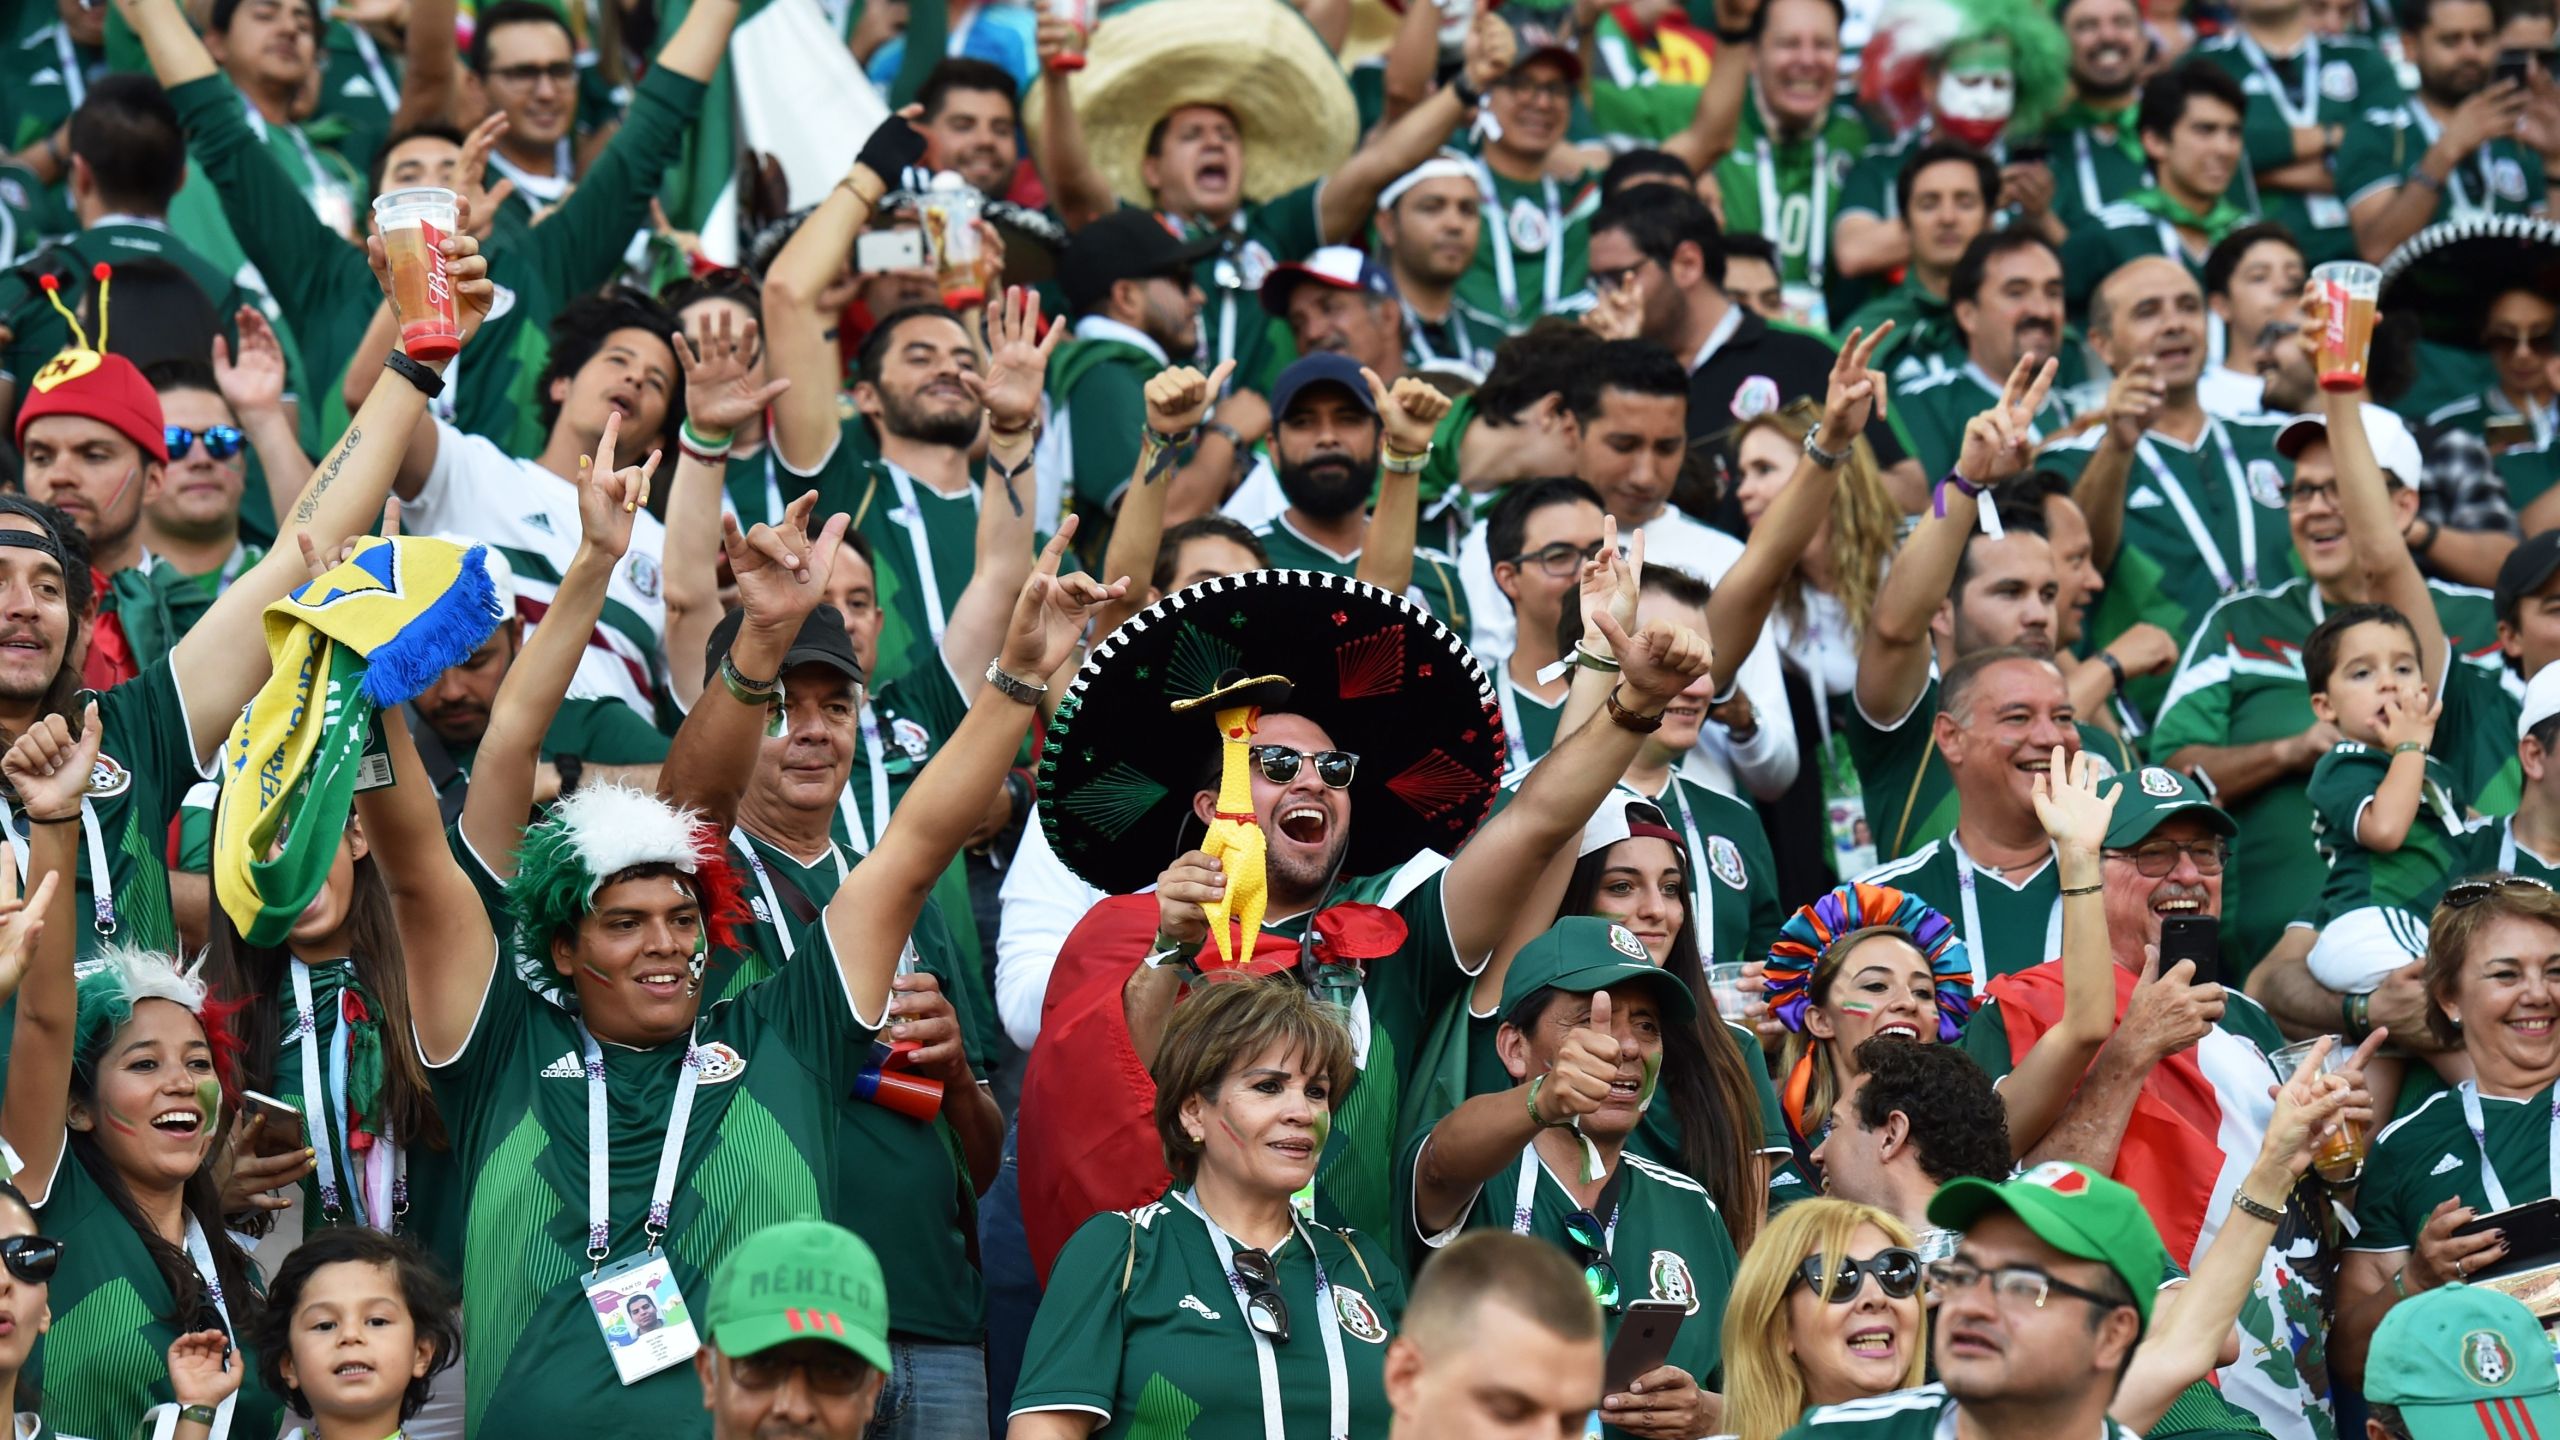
column 2340, row 1157
column 412, row 222
column 1730, row 991
column 1078, row 13
column 2348, row 290
column 950, row 208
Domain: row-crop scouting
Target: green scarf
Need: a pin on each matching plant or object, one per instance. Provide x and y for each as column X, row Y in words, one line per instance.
column 2081, row 115
column 2217, row 222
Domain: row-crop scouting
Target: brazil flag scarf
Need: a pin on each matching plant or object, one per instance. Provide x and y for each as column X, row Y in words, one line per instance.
column 367, row 635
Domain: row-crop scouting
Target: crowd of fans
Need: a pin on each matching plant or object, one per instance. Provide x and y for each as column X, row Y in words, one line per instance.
column 1287, row 717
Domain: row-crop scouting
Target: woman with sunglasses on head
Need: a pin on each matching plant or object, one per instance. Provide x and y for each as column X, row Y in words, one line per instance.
column 1825, row 1309
column 1584, row 1010
column 2492, row 981
column 1218, row 1308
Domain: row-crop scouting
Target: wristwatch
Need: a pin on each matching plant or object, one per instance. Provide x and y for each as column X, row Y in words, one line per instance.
column 1827, row 459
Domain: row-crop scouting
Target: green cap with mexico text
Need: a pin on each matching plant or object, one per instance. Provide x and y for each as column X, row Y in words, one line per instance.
column 2152, row 796
column 800, row 1280
column 2463, row 1362
column 2075, row 1210
column 1584, row 953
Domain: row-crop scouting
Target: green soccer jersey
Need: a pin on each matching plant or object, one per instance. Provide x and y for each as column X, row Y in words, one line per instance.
column 1935, row 407
column 359, row 90
column 156, row 603
column 1928, row 1413
column 1528, row 723
column 1097, row 386
column 1666, row 1241
column 1790, row 189
column 760, row 1145
column 2327, row 81
column 2431, row 1155
column 2492, row 844
column 1910, row 797
column 924, row 543
column 1464, row 336
column 1144, row 1327
column 2381, row 152
column 1924, row 328
column 2125, row 232
column 597, row 730
column 1533, row 253
column 1233, row 325
column 2097, row 160
column 2341, row 785
column 2210, row 515
column 43, row 78
column 1435, row 576
column 106, row 1358
column 2007, row 925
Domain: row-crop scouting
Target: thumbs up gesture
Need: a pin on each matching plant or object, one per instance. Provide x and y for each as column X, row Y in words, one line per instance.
column 1579, row 1081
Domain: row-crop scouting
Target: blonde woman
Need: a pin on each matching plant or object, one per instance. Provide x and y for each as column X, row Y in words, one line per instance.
column 1827, row 596
column 1826, row 1308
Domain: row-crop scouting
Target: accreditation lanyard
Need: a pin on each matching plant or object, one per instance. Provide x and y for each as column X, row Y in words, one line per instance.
column 1975, row 937
column 2092, row 194
column 316, row 1117
column 2490, row 1190
column 764, row 886
column 385, row 88
column 600, row 1151
column 1266, row 1359
column 1497, row 224
column 856, row 828
column 1417, row 333
column 2455, row 191
column 2188, row 515
column 102, row 885
column 2301, row 114
column 75, row 80
column 1702, row 902
column 920, row 540
column 1524, row 1200
column 200, row 1254
column 1817, row 243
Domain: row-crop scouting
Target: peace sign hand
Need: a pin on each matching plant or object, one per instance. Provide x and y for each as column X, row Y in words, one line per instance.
column 1050, row 615
column 1857, row 389
column 1996, row 442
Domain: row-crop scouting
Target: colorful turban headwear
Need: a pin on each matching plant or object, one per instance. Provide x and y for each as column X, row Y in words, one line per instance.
column 1817, row 934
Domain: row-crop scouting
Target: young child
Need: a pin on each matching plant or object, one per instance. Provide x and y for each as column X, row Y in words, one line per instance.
column 2383, row 809
column 356, row 1327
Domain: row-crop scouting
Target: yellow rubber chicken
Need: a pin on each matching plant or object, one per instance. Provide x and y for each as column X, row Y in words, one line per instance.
column 1235, row 837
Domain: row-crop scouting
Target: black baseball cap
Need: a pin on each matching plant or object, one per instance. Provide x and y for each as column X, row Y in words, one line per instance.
column 1322, row 368
column 2528, row 568
column 1125, row 245
column 821, row 641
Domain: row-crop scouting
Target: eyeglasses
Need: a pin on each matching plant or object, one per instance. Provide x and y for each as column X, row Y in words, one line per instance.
column 2546, row 342
column 2158, row 857
column 2298, row 495
column 31, row 1258
column 1608, row 281
column 558, row 72
column 1590, row 1239
column 2016, row 1284
column 1264, row 1310
column 1897, row 1273
column 1555, row 90
column 220, row 441
column 2463, row 894
column 829, row 1375
column 1280, row 764
column 1562, row 560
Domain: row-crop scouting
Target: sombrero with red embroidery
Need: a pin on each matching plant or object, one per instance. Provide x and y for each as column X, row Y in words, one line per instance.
column 1388, row 683
column 94, row 383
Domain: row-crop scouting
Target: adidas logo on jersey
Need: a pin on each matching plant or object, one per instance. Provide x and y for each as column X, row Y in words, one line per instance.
column 539, row 521
column 1199, row 1307
column 2145, row 498
column 2445, row 1166
column 567, row 1067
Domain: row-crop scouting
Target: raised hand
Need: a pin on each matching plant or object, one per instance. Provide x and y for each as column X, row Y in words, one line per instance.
column 1618, row 314
column 1049, row 616
column 317, row 562
column 481, row 201
column 2067, row 801
column 2134, row 399
column 782, row 569
column 50, row 767
column 1610, row 583
column 1996, row 442
column 2406, row 722
column 716, row 358
column 1017, row 360
column 1585, row 1069
column 252, row 382
column 202, row 1368
column 1194, row 881
column 610, row 499
column 2169, row 1012
column 466, row 271
column 1410, row 412
column 1057, row 41
column 21, row 921
column 2490, row 112
column 251, row 1176
column 1659, row 661
column 1489, row 49
column 1857, row 389
column 1179, row 395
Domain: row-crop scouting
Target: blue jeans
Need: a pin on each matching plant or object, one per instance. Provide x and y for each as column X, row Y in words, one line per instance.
column 1013, row 1290
column 935, row 1392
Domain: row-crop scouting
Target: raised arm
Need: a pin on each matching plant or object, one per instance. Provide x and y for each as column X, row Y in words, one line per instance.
column 799, row 339
column 1017, row 363
column 2374, row 533
column 448, row 942
column 222, row 661
column 1350, row 194
column 2075, row 815
column 430, row 66
column 49, row 769
column 1413, row 58
column 717, row 400
column 2134, row 397
column 177, row 55
column 1486, row 1134
column 1409, row 414
column 1718, row 122
column 252, row 384
column 1076, row 185
column 1176, row 397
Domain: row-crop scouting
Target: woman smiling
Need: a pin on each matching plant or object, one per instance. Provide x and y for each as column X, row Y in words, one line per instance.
column 1825, row 1309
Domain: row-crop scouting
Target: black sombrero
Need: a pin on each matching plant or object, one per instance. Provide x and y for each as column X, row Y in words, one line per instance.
column 2445, row 276
column 1388, row 682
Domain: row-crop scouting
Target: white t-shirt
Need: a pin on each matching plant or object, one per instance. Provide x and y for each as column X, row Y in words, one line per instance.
column 518, row 507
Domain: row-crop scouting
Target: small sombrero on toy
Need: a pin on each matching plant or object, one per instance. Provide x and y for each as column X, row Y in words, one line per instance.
column 1258, row 60
column 1386, row 681
column 2445, row 276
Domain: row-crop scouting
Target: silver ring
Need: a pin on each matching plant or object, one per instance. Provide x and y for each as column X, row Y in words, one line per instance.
column 2460, row 1272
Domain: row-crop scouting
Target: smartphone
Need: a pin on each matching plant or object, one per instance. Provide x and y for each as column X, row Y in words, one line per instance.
column 284, row 1129
column 2507, row 432
column 2516, row 65
column 2533, row 1236
column 2029, row 152
column 2193, row 937
column 878, row 251
column 1643, row 1343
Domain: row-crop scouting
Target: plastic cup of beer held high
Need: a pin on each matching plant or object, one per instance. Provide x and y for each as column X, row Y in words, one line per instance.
column 1078, row 13
column 413, row 221
column 949, row 208
column 2340, row 1158
column 2348, row 290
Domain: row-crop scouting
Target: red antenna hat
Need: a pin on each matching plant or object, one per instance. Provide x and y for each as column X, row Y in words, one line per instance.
column 90, row 382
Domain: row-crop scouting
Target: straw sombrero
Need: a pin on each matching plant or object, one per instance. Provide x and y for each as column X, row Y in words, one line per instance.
column 1118, row 766
column 1258, row 60
column 2436, row 275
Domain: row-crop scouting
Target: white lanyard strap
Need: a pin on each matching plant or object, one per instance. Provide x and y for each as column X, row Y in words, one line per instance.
column 2302, row 114
column 1702, row 901
column 75, row 80
column 1509, row 695
column 1427, row 355
column 2464, row 208
column 1974, row 935
column 860, row 832
column 920, row 540
column 102, row 885
column 2092, row 194
column 1524, row 1199
column 2197, row 531
column 315, row 1087
column 1817, row 244
column 1266, row 1360
column 384, row 86
column 600, row 1150
column 2490, row 1190
column 764, row 884
column 1497, row 224
column 201, row 1255
column 2507, row 863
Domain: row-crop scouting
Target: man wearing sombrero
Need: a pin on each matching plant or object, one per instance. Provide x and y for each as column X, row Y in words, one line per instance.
column 1231, row 121
column 1343, row 702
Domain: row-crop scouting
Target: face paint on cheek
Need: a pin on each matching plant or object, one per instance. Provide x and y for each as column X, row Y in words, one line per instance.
column 1321, row 1129
column 209, row 1099
column 1856, row 1007
column 600, row 977
column 1652, row 1082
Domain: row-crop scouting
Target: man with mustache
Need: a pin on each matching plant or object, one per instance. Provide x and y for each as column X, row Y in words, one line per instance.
column 2454, row 151
column 2306, row 92
column 969, row 123
column 2190, row 127
column 2005, row 298
column 1340, row 302
column 1429, row 223
column 2096, row 155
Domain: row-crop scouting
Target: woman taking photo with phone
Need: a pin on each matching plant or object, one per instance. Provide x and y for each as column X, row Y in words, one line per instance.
column 1218, row 1302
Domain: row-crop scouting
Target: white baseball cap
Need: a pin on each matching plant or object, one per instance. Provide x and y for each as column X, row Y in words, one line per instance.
column 2541, row 699
column 2393, row 445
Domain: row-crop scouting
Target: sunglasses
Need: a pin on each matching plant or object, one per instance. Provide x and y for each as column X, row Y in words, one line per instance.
column 2466, row 893
column 220, row 441
column 1264, row 1310
column 31, row 1258
column 1897, row 1273
column 1590, row 1240
column 1279, row 764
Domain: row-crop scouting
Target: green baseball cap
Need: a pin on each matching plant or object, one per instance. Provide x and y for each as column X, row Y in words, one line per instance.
column 2075, row 1210
column 2153, row 795
column 800, row 1280
column 2463, row 1362
column 1583, row 953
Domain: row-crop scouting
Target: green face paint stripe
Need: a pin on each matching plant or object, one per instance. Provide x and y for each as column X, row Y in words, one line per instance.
column 1652, row 1082
column 209, row 1095
column 1857, row 1007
